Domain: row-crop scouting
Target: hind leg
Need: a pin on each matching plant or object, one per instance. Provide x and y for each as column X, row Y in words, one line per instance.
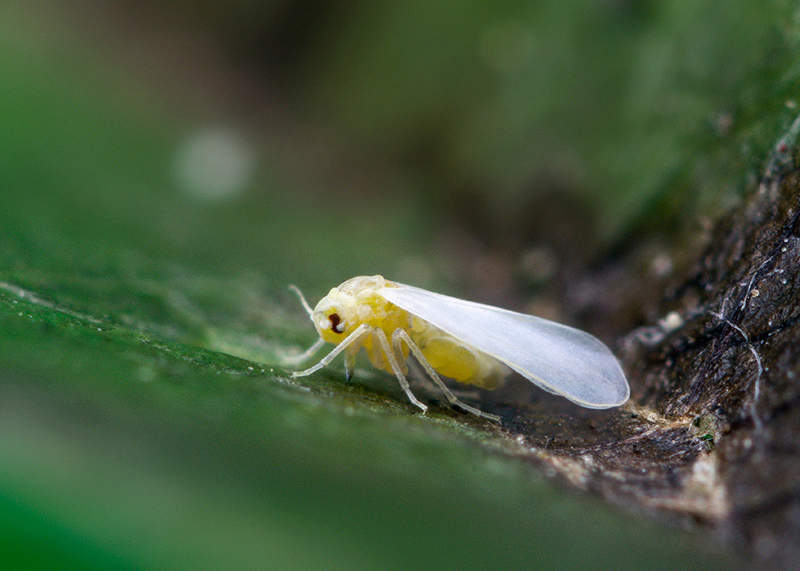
column 380, row 336
column 401, row 336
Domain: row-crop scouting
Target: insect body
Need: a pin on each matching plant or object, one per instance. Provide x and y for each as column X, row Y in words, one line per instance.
column 469, row 342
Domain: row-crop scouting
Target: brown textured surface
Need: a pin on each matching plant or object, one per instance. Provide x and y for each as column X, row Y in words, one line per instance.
column 710, row 436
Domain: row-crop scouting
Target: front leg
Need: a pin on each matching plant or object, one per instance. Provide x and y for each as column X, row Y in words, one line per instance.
column 294, row 360
column 351, row 339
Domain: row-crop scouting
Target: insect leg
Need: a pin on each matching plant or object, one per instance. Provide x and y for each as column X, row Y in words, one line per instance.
column 299, row 293
column 398, row 372
column 305, row 355
column 349, row 364
column 349, row 340
column 401, row 335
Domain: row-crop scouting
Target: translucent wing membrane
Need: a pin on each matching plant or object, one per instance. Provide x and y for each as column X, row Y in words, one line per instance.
column 557, row 358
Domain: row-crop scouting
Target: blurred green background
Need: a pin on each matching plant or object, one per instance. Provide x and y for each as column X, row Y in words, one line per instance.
column 166, row 171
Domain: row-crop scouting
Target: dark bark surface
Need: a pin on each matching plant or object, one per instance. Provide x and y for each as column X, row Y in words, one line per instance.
column 710, row 436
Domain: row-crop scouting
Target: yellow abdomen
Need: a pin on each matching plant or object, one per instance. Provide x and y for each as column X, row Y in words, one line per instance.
column 452, row 358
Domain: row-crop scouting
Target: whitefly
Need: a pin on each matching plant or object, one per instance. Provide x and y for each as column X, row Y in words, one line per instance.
column 471, row 343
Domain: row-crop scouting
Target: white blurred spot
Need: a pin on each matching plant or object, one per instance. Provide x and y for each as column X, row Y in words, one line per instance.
column 671, row 321
column 146, row 373
column 213, row 164
column 661, row 265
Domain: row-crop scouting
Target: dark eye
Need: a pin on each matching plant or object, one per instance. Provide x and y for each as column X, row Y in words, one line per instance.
column 336, row 322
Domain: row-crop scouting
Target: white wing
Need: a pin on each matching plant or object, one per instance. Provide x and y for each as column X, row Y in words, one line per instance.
column 559, row 359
